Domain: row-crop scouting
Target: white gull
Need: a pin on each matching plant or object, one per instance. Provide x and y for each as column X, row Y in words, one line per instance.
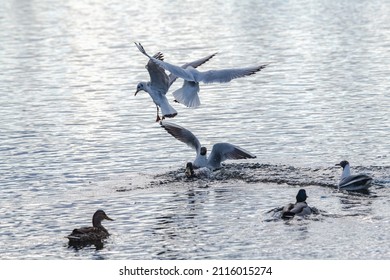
column 219, row 153
column 160, row 82
column 350, row 182
column 188, row 93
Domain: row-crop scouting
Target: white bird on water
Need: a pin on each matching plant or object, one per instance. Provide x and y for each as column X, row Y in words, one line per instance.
column 160, row 82
column 350, row 182
column 188, row 93
column 219, row 153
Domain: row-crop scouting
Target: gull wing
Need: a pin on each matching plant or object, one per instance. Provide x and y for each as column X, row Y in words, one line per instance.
column 224, row 151
column 175, row 70
column 226, row 75
column 186, row 74
column 182, row 134
column 194, row 64
column 211, row 76
column 158, row 78
column 355, row 182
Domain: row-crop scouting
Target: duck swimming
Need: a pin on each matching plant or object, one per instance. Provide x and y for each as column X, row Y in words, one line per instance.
column 350, row 182
column 91, row 234
column 300, row 208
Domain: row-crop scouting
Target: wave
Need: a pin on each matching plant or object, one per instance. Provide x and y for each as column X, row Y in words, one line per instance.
column 252, row 173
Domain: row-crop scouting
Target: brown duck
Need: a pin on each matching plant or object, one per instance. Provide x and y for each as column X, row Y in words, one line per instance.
column 91, row 234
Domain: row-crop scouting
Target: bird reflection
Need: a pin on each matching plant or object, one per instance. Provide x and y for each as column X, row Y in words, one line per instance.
column 177, row 221
column 358, row 203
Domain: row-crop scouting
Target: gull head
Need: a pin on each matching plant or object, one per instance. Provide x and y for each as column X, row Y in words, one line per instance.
column 140, row 86
column 343, row 163
column 203, row 151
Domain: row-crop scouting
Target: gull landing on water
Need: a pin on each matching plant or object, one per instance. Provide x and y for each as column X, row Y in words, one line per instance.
column 350, row 182
column 160, row 83
column 219, row 153
column 188, row 93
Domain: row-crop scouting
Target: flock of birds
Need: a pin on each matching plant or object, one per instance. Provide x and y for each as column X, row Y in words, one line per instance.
column 157, row 88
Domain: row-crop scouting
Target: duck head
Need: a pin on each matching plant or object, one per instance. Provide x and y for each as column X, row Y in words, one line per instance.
column 189, row 170
column 301, row 196
column 98, row 217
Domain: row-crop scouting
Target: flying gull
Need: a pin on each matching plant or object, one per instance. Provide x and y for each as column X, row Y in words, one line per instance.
column 160, row 82
column 188, row 93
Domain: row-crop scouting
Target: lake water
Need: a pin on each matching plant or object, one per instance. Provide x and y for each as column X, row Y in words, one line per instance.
column 74, row 138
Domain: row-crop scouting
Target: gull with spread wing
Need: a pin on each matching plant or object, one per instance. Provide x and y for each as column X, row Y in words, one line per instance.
column 188, row 93
column 219, row 153
column 160, row 82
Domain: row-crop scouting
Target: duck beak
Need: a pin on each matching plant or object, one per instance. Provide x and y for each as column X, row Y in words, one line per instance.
column 108, row 218
column 136, row 92
column 337, row 164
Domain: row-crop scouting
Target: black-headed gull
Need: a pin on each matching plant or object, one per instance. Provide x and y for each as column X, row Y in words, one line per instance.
column 188, row 93
column 350, row 182
column 300, row 208
column 219, row 153
column 160, row 82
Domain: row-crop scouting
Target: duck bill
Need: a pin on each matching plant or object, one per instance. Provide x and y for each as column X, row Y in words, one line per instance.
column 136, row 92
column 108, row 218
column 337, row 164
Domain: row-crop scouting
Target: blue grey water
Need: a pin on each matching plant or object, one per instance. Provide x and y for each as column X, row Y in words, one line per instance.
column 75, row 139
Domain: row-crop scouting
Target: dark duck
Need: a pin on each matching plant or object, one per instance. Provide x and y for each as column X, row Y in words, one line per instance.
column 93, row 234
column 300, row 208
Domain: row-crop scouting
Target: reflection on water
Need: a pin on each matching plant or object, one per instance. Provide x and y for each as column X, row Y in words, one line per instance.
column 74, row 138
column 79, row 246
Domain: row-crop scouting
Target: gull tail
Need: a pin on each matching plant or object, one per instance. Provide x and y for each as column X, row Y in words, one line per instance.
column 167, row 110
column 188, row 94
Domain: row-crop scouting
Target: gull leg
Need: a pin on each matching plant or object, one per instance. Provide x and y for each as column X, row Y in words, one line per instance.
column 158, row 116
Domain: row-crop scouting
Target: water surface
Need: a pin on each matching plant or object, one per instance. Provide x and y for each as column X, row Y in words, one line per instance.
column 75, row 139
